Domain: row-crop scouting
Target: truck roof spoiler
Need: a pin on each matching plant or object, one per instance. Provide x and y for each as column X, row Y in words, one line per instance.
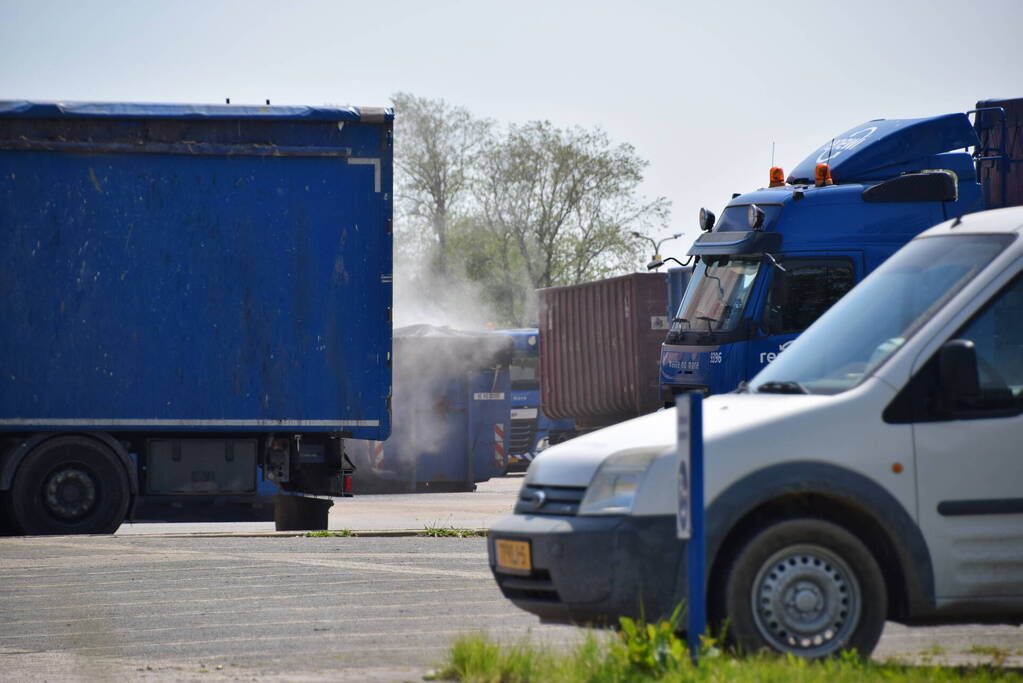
column 735, row 243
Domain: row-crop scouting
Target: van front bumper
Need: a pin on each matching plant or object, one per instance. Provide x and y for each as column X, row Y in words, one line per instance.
column 592, row 570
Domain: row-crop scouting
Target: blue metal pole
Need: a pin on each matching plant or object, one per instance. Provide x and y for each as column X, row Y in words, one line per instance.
column 696, row 546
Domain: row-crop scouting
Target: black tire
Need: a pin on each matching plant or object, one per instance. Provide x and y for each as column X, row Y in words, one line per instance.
column 806, row 587
column 70, row 485
column 6, row 518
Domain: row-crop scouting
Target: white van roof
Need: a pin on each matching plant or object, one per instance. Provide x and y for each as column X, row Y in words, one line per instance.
column 997, row 221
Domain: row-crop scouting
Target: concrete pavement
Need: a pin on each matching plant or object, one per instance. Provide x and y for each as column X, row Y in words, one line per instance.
column 155, row 603
column 492, row 500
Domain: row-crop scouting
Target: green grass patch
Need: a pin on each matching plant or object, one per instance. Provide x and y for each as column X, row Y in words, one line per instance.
column 997, row 654
column 340, row 533
column 453, row 532
column 653, row 652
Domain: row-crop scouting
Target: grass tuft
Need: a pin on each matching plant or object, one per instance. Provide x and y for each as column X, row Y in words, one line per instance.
column 340, row 533
column 453, row 532
column 997, row 654
column 642, row 652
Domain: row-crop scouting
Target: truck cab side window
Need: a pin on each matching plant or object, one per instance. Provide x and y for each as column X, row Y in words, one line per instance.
column 804, row 291
column 524, row 372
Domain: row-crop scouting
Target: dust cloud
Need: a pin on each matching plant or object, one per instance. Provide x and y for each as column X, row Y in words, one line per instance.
column 441, row 343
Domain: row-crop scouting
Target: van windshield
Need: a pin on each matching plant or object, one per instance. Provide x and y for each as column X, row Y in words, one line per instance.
column 716, row 295
column 867, row 326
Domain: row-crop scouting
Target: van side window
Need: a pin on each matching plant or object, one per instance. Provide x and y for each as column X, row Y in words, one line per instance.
column 997, row 336
column 806, row 289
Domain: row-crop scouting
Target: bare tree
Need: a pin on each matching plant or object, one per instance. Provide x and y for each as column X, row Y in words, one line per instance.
column 436, row 146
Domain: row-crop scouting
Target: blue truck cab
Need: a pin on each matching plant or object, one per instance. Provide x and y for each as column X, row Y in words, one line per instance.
column 780, row 256
column 531, row 430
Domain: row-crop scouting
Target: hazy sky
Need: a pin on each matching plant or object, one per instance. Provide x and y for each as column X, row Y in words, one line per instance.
column 700, row 89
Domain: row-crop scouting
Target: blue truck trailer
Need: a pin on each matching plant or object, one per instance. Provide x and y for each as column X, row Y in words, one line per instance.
column 531, row 429
column 188, row 293
column 780, row 256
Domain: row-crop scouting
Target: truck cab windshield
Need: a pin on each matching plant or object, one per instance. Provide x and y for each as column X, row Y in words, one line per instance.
column 524, row 375
column 716, row 296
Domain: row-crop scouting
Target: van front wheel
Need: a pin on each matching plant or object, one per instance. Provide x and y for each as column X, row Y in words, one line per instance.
column 806, row 587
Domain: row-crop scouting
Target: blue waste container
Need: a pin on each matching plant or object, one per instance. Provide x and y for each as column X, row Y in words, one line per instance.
column 450, row 413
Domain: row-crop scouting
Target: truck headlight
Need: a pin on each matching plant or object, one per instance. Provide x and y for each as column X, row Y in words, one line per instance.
column 613, row 488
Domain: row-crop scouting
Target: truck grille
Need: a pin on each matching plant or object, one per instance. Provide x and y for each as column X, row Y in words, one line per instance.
column 550, row 500
column 523, row 433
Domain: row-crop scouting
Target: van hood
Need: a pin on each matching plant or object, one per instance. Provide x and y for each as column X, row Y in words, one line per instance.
column 574, row 462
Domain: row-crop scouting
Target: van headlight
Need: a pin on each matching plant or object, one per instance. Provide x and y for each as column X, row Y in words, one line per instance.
column 613, row 488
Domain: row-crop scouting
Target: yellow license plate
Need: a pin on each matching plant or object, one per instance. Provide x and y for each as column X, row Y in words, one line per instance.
column 513, row 555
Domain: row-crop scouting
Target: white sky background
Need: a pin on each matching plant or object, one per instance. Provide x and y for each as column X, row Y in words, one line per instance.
column 701, row 90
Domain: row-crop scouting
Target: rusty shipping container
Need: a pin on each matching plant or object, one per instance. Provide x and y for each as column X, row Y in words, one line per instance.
column 1001, row 149
column 600, row 348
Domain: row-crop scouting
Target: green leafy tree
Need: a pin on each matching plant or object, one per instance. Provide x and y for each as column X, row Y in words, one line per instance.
column 566, row 200
column 484, row 217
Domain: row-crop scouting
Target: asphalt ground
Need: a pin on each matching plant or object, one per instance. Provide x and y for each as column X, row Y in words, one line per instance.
column 245, row 604
column 492, row 500
column 177, row 607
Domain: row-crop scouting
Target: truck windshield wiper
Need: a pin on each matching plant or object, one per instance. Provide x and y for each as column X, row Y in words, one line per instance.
column 782, row 388
column 680, row 320
column 708, row 320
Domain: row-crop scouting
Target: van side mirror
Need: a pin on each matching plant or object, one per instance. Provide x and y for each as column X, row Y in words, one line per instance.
column 957, row 370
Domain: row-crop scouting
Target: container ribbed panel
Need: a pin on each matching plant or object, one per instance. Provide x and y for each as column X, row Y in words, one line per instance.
column 599, row 351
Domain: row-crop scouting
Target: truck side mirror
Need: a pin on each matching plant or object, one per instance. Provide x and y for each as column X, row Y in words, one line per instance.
column 957, row 371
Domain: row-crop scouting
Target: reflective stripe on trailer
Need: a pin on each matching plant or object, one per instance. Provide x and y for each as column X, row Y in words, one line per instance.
column 499, row 445
column 378, row 455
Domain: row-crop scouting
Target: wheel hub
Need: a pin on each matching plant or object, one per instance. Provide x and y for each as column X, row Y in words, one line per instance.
column 806, row 600
column 70, row 493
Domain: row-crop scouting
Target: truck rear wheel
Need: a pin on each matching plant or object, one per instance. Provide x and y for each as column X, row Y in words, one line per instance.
column 6, row 520
column 806, row 587
column 69, row 485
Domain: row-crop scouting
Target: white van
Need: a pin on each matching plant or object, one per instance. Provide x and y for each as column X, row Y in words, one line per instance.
column 873, row 471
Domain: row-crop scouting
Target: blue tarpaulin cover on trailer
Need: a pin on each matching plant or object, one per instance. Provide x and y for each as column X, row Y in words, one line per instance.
column 190, row 267
column 136, row 110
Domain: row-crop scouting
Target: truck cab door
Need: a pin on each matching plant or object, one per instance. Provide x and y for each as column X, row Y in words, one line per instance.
column 969, row 464
column 794, row 298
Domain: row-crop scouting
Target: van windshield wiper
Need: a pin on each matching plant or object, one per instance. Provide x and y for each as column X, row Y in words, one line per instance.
column 782, row 388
